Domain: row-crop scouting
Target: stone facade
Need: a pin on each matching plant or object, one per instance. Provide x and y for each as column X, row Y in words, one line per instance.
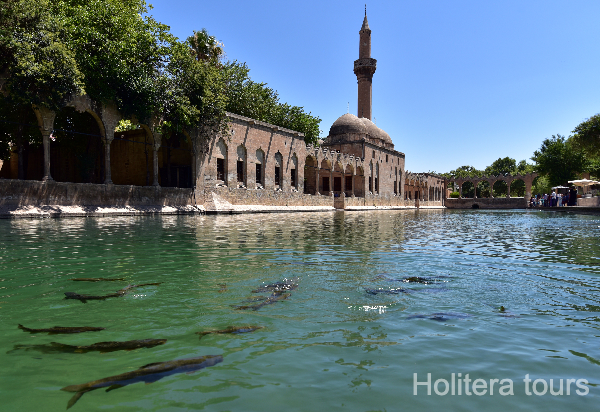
column 21, row 193
column 255, row 163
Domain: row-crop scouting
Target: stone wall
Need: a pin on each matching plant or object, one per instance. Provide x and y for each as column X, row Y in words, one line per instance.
column 266, row 197
column 589, row 201
column 36, row 193
column 487, row 203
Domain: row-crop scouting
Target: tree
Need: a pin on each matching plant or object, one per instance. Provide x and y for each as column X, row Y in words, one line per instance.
column 37, row 66
column 587, row 135
column 205, row 47
column 502, row 167
column 508, row 166
column 559, row 159
column 258, row 101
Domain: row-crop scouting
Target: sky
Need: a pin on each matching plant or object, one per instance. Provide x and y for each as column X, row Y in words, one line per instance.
column 457, row 82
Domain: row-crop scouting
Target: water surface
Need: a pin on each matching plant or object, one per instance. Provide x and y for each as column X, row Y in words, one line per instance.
column 331, row 344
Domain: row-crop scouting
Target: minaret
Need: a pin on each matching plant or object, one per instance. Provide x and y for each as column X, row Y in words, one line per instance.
column 364, row 68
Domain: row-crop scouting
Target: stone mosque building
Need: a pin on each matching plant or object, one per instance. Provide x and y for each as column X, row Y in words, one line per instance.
column 255, row 164
column 356, row 163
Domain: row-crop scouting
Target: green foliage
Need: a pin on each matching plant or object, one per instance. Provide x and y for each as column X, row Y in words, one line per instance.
column 121, row 51
column 587, row 135
column 196, row 93
column 502, row 167
column 38, row 65
column 18, row 128
column 455, row 195
column 125, row 125
column 541, row 185
column 464, row 171
column 258, row 101
column 205, row 47
column 560, row 160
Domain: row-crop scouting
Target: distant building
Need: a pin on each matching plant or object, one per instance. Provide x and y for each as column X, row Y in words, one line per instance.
column 255, row 164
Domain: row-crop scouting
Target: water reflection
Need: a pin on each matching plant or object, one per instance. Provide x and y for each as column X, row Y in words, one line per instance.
column 541, row 267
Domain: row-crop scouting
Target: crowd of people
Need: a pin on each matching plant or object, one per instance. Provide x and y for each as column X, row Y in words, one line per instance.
column 555, row 199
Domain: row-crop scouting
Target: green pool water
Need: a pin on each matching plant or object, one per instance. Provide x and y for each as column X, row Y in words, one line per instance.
column 331, row 345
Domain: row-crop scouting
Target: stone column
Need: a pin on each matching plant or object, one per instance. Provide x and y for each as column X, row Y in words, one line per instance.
column 194, row 171
column 353, row 183
column 110, row 119
column 475, row 184
column 107, row 141
column 46, row 140
column 317, row 174
column 156, row 147
column 331, row 180
column 45, row 118
column 492, row 189
column 528, row 187
column 508, row 189
column 460, row 190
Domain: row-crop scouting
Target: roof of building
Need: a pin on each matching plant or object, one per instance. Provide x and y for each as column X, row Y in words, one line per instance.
column 347, row 123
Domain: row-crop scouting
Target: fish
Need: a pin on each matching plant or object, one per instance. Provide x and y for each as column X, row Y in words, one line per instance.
column 387, row 291
column 441, row 316
column 97, row 279
column 102, row 347
column 222, row 287
column 286, row 285
column 418, row 279
column 149, row 373
column 117, row 294
column 62, row 329
column 231, row 329
column 276, row 297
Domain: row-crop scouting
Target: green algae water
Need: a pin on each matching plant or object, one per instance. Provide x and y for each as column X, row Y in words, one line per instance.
column 499, row 296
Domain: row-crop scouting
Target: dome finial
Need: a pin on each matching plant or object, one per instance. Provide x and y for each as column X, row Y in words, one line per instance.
column 365, row 25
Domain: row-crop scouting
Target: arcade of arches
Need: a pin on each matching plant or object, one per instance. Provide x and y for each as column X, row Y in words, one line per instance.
column 500, row 185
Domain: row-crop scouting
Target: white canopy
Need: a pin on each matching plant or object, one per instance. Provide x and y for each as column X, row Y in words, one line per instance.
column 584, row 183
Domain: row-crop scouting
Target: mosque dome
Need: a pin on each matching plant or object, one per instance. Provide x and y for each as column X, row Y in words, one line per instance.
column 386, row 137
column 372, row 129
column 347, row 123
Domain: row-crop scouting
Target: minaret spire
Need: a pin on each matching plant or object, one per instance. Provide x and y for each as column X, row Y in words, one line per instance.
column 364, row 68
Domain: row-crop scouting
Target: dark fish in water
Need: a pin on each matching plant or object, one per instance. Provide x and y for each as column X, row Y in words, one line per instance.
column 102, row 347
column 415, row 279
column 506, row 313
column 97, row 279
column 286, row 285
column 117, row 294
column 276, row 297
column 441, row 316
column 62, row 329
column 147, row 373
column 231, row 329
column 387, row 291
column 418, row 279
column 222, row 287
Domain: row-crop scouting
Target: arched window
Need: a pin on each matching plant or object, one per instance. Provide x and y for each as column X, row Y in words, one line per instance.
column 278, row 169
column 221, row 157
column 260, row 175
column 241, row 165
column 310, row 175
column 377, row 177
column 294, row 172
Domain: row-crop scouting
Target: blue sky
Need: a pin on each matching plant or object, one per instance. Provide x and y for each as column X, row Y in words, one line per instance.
column 457, row 82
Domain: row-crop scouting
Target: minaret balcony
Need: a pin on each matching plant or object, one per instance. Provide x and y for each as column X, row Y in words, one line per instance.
column 365, row 67
column 365, row 62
